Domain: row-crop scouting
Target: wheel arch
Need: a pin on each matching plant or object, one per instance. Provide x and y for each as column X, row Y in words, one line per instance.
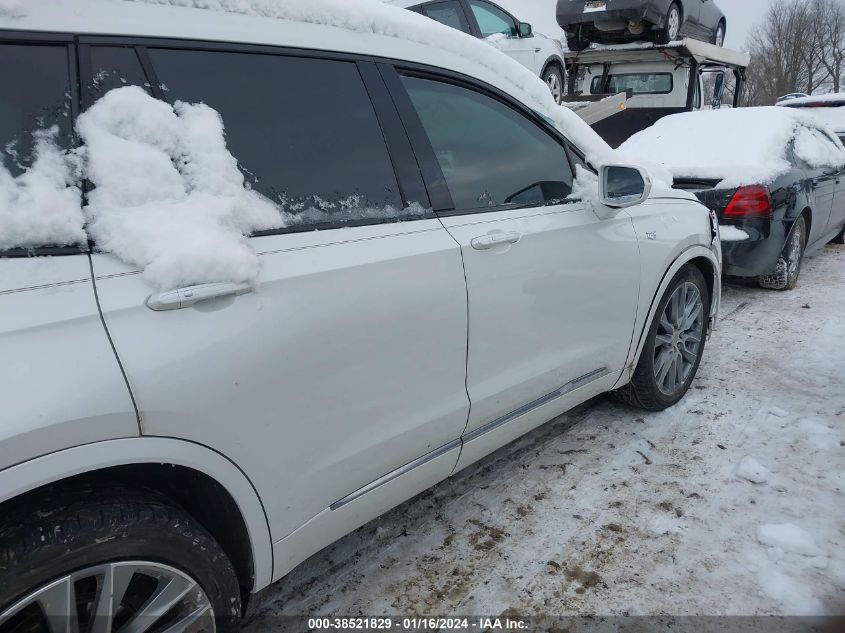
column 206, row 484
column 705, row 260
column 554, row 60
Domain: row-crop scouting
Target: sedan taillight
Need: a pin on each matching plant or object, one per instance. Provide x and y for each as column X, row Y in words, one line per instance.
column 750, row 202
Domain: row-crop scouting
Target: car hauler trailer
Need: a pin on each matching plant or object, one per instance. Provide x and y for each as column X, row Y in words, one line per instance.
column 681, row 76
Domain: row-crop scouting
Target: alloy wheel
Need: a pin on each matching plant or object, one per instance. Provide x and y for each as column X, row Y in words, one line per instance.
column 794, row 255
column 674, row 19
column 678, row 341
column 553, row 81
column 720, row 36
column 130, row 596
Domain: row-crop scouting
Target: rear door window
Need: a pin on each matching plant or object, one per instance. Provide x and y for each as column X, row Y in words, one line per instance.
column 114, row 67
column 303, row 130
column 449, row 13
column 490, row 154
column 35, row 95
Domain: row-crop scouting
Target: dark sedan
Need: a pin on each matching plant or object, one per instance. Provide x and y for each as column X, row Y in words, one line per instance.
column 774, row 177
column 664, row 21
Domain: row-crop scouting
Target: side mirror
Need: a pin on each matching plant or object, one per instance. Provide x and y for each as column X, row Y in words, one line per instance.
column 622, row 186
column 525, row 30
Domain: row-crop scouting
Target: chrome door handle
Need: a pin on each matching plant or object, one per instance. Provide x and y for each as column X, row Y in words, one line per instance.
column 485, row 242
column 191, row 295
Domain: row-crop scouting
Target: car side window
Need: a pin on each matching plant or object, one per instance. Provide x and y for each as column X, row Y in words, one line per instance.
column 448, row 13
column 303, row 130
column 490, row 154
column 36, row 95
column 114, row 67
column 492, row 20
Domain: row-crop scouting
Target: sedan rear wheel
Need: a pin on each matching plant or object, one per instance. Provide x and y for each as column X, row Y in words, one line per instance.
column 719, row 36
column 788, row 267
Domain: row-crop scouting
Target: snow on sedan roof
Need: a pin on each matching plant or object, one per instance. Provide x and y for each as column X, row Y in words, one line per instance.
column 368, row 27
column 736, row 147
column 829, row 109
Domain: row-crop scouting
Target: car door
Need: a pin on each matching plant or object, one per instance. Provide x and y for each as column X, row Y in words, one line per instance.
column 449, row 12
column 552, row 290
column 709, row 18
column 821, row 180
column 493, row 22
column 346, row 361
column 691, row 17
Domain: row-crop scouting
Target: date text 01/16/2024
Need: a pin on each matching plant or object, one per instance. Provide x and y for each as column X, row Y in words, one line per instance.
column 417, row 624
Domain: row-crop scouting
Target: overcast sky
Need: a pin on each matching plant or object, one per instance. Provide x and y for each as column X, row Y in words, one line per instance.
column 741, row 14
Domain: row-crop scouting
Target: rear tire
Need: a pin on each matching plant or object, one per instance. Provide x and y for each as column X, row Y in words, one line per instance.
column 554, row 80
column 671, row 25
column 719, row 34
column 839, row 239
column 788, row 267
column 578, row 41
column 77, row 539
column 675, row 342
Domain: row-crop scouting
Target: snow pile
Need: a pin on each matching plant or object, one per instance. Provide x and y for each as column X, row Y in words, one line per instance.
column 814, row 147
column 169, row 196
column 375, row 17
column 41, row 206
column 789, row 538
column 737, row 147
column 731, row 234
column 12, row 9
column 752, row 470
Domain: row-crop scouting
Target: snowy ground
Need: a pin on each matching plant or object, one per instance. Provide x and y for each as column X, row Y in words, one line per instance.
column 607, row 510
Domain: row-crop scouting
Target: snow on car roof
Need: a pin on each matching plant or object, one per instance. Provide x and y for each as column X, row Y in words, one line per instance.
column 736, row 147
column 368, row 27
column 836, row 97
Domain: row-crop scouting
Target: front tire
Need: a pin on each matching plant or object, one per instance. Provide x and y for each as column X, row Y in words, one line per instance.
column 671, row 25
column 719, row 34
column 106, row 557
column 840, row 238
column 554, row 80
column 675, row 344
column 788, row 267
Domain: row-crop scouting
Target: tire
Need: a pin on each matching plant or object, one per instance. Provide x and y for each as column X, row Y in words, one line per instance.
column 671, row 25
column 78, row 538
column 554, row 80
column 578, row 41
column 788, row 267
column 719, row 34
column 840, row 238
column 662, row 350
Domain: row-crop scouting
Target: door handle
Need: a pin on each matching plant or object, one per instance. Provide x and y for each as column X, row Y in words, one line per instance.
column 191, row 295
column 485, row 242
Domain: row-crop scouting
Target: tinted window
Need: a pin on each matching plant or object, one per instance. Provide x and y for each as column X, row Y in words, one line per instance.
column 303, row 130
column 492, row 19
column 490, row 154
column 448, row 13
column 114, row 67
column 639, row 83
column 35, row 95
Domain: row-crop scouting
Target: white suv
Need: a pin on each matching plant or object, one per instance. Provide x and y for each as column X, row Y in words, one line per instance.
column 480, row 18
column 185, row 417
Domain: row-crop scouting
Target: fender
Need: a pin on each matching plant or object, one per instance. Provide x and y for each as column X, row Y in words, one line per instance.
column 687, row 255
column 60, row 465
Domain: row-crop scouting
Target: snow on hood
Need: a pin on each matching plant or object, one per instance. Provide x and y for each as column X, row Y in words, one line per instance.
column 377, row 18
column 737, row 147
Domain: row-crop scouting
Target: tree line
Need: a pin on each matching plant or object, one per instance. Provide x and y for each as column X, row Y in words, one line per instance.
column 798, row 47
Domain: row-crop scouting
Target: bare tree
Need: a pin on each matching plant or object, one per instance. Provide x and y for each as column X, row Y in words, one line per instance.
column 798, row 47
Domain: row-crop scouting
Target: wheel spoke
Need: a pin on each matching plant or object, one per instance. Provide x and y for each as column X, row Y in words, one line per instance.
column 58, row 604
column 169, row 593
column 184, row 622
column 663, row 365
column 115, row 582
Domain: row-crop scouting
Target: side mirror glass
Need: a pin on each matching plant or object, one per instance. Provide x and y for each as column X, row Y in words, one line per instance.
column 622, row 186
column 525, row 30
